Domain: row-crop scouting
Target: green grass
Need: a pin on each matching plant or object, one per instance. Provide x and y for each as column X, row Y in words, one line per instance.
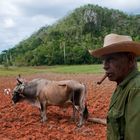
column 76, row 69
column 14, row 71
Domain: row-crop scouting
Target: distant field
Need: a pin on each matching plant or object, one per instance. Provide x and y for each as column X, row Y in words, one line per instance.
column 12, row 71
column 87, row 69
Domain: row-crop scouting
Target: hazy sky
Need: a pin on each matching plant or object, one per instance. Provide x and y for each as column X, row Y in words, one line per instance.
column 20, row 18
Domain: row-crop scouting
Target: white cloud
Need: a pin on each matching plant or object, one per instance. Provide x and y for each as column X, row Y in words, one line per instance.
column 8, row 8
column 42, row 20
column 9, row 23
column 128, row 6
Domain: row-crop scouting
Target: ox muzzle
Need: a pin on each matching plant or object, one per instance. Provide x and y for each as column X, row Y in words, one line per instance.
column 16, row 97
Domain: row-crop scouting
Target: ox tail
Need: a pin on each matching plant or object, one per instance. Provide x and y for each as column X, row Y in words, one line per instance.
column 85, row 113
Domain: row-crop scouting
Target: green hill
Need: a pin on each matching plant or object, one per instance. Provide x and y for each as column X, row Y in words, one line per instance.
column 68, row 40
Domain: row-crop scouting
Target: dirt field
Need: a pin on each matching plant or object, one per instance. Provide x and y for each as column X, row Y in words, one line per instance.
column 22, row 121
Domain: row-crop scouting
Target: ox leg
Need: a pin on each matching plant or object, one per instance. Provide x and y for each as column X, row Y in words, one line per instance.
column 83, row 115
column 73, row 117
column 81, row 119
column 43, row 112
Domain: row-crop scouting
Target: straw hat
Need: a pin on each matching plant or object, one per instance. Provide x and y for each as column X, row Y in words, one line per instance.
column 114, row 43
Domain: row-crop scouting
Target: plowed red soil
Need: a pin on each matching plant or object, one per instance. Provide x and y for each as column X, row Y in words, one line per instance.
column 22, row 121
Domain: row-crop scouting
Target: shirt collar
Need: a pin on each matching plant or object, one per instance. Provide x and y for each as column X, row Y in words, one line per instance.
column 129, row 77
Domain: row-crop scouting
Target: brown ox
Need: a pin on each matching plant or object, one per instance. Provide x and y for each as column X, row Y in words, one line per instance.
column 42, row 92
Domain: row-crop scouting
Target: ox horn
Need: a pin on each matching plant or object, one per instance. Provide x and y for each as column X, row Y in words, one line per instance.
column 18, row 79
column 103, row 78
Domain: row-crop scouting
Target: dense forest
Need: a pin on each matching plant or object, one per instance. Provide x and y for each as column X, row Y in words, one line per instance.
column 68, row 40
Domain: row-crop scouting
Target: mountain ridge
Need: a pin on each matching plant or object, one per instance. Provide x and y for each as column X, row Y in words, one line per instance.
column 67, row 41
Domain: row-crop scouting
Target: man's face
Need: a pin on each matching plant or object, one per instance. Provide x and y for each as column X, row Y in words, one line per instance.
column 117, row 66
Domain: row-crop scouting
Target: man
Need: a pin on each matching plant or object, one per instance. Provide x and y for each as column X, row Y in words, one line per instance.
column 119, row 59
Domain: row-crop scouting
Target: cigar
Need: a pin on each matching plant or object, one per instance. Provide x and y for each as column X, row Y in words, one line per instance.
column 99, row 82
